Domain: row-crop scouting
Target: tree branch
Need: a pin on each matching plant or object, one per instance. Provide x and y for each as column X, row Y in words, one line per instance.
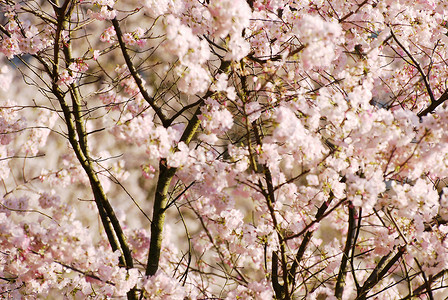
column 137, row 78
column 340, row 282
column 379, row 272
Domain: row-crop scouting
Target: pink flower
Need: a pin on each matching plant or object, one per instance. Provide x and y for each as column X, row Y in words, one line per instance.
column 161, row 286
column 10, row 46
column 148, row 171
column 65, row 78
column 135, row 38
column 194, row 80
column 79, row 66
column 155, row 8
column 216, row 118
column 230, row 16
column 107, row 35
column 96, row 54
column 238, row 47
column 312, row 179
column 47, row 200
column 105, row 13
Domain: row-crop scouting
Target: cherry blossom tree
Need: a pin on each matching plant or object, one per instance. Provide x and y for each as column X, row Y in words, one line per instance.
column 224, row 149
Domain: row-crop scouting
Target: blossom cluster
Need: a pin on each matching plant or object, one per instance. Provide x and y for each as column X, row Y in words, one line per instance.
column 224, row 149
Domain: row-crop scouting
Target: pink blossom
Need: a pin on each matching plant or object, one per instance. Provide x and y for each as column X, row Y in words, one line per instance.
column 221, row 82
column 312, row 179
column 194, row 80
column 47, row 200
column 96, row 54
column 105, row 13
column 65, row 78
column 162, row 286
column 253, row 111
column 239, row 48
column 180, row 157
column 78, row 66
column 10, row 46
column 255, row 290
column 107, row 35
column 135, row 38
column 229, row 16
column 155, row 8
column 215, row 118
column 320, row 38
column 182, row 42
